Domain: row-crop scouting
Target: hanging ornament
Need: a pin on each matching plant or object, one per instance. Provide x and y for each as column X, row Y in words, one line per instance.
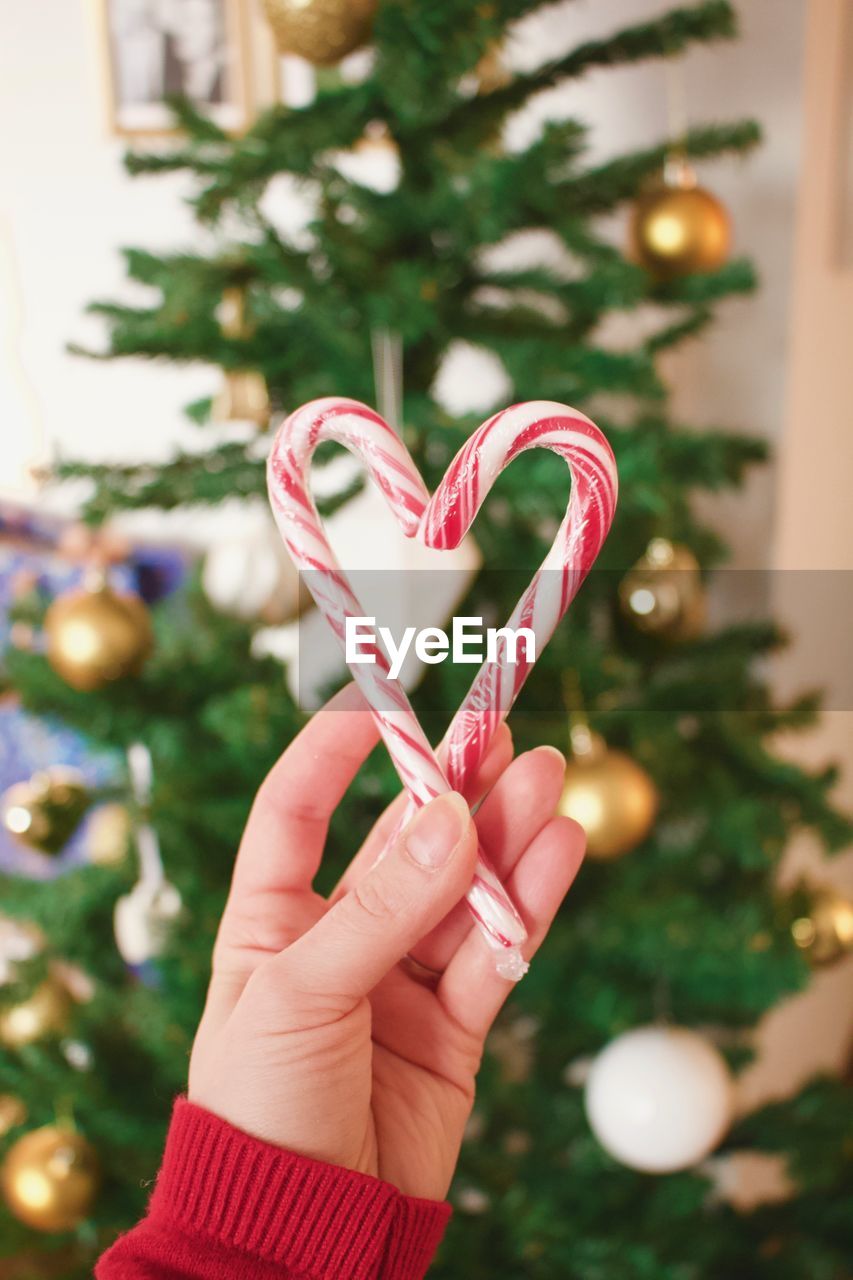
column 659, row 1099
column 96, row 635
column 76, row 981
column 826, row 933
column 376, row 139
column 50, row 1178
column 249, row 574
column 44, row 812
column 373, row 162
column 663, row 594
column 143, row 920
column 244, row 396
column 108, row 834
column 144, row 917
column 322, row 31
column 44, row 1013
column 608, row 793
column 677, row 227
column 13, row 1113
column 19, row 941
column 78, row 1054
column 472, row 1200
column 491, row 71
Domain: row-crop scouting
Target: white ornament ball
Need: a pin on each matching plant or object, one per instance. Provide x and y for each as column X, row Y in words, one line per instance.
column 659, row 1099
column 249, row 574
column 143, row 919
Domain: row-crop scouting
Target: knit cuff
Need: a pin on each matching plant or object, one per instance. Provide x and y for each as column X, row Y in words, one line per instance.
column 313, row 1219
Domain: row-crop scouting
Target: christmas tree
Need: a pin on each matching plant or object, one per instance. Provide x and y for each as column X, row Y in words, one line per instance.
column 675, row 914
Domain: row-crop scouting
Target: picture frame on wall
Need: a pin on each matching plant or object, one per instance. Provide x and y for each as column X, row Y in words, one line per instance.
column 203, row 50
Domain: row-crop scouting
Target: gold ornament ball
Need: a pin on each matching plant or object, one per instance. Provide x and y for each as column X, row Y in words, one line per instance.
column 678, row 230
column 97, row 636
column 613, row 799
column 46, row 1012
column 322, row 31
column 44, row 812
column 663, row 594
column 50, row 1179
column 826, row 933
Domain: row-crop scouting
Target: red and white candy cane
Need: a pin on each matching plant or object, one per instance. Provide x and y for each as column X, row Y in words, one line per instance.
column 442, row 522
column 536, row 424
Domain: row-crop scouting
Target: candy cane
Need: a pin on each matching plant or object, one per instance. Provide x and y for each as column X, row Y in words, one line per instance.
column 454, row 506
column 443, row 522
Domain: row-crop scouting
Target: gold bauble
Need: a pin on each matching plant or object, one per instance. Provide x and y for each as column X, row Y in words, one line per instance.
column 44, row 1013
column 678, row 229
column 662, row 594
column 323, row 31
column 611, row 796
column 13, row 1113
column 95, row 636
column 50, row 1179
column 44, row 812
column 826, row 933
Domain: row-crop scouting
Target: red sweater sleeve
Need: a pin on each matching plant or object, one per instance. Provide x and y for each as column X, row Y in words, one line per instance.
column 229, row 1207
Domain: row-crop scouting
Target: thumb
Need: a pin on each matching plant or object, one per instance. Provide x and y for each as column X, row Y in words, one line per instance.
column 405, row 895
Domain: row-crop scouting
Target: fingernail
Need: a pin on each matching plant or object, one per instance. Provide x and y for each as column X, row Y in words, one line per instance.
column 436, row 831
column 552, row 751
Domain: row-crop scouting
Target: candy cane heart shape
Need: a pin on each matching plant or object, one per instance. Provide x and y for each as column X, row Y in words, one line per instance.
column 442, row 522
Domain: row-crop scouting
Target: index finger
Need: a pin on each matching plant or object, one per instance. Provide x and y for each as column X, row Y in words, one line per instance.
column 283, row 842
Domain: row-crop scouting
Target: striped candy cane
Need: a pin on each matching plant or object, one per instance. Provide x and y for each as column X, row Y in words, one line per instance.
column 442, row 522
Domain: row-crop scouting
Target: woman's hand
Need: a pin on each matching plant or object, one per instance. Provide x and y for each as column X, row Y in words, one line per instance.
column 319, row 1033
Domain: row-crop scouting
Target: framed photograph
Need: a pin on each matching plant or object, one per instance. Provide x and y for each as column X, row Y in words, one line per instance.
column 201, row 49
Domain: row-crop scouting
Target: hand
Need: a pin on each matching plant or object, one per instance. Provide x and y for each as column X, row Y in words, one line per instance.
column 319, row 1034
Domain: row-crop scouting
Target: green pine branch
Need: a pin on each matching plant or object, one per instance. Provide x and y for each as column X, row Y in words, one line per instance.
column 601, row 189
column 666, row 36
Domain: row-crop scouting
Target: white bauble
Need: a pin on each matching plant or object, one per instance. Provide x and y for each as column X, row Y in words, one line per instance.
column 143, row 919
column 249, row 574
column 659, row 1098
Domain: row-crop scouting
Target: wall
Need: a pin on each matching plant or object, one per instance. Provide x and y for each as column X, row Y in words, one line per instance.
column 67, row 206
column 813, row 543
